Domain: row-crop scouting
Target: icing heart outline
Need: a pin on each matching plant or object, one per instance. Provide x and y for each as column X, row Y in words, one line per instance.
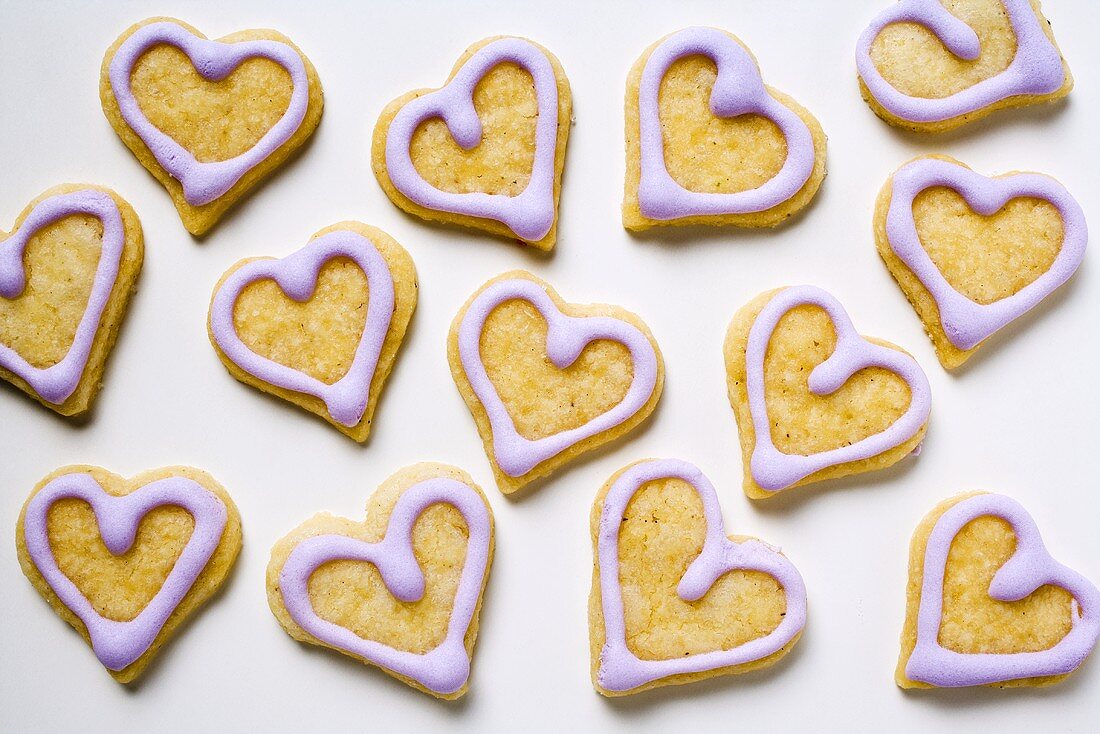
column 529, row 214
column 204, row 183
column 774, row 470
column 296, row 275
column 738, row 90
column 620, row 669
column 1036, row 69
column 1030, row 567
column 59, row 381
column 446, row 668
column 965, row 322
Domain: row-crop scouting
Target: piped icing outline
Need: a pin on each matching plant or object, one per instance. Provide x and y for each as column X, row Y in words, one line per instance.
column 620, row 670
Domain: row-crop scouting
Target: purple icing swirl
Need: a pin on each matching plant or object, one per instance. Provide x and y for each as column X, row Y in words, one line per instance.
column 566, row 338
column 965, row 322
column 620, row 669
column 1030, row 567
column 738, row 90
column 1036, row 68
column 530, row 214
column 118, row 644
column 774, row 470
column 346, row 399
column 56, row 383
column 205, row 182
column 444, row 669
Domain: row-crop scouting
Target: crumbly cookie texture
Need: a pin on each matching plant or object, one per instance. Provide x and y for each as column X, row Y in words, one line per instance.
column 60, row 263
column 119, row 587
column 501, row 163
column 319, row 337
column 709, row 154
column 213, row 120
column 352, row 594
column 801, row 421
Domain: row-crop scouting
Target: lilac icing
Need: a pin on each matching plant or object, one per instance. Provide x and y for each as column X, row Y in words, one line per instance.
column 530, row 214
column 965, row 322
column 738, row 90
column 346, row 399
column 118, row 644
column 205, row 182
column 444, row 669
column 1035, row 69
column 56, row 383
column 774, row 470
column 620, row 669
column 1029, row 568
column 566, row 338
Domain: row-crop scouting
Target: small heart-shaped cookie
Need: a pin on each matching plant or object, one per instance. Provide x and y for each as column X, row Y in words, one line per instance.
column 988, row 605
column 321, row 327
column 815, row 400
column 126, row 561
column 401, row 590
column 486, row 150
column 972, row 253
column 932, row 66
column 708, row 143
column 209, row 119
column 673, row 598
column 547, row 381
column 67, row 271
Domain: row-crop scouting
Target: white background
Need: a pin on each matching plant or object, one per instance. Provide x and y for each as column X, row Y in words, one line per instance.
column 1020, row 419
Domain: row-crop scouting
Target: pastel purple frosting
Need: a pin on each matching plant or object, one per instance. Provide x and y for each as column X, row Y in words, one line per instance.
column 738, row 90
column 622, row 670
column 444, row 669
column 965, row 322
column 530, row 214
column 346, row 399
column 205, row 182
column 566, row 338
column 1030, row 567
column 774, row 470
column 1036, row 68
column 118, row 644
column 56, row 383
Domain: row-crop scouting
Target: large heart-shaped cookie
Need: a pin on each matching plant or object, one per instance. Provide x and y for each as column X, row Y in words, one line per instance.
column 972, row 253
column 126, row 561
column 988, row 605
column 66, row 274
column 321, row 327
column 547, row 381
column 931, row 66
column 401, row 590
column 675, row 600
column 487, row 149
column 209, row 119
column 815, row 400
column 708, row 143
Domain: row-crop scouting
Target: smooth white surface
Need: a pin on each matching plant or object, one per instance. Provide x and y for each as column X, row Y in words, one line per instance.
column 1020, row 419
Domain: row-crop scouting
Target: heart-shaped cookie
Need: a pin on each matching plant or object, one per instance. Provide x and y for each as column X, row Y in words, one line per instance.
column 401, row 590
column 487, row 149
column 708, row 143
column 547, row 381
column 321, row 327
column 973, row 253
column 815, row 400
column 126, row 561
column 988, row 605
column 673, row 598
column 66, row 274
column 932, row 66
column 209, row 119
